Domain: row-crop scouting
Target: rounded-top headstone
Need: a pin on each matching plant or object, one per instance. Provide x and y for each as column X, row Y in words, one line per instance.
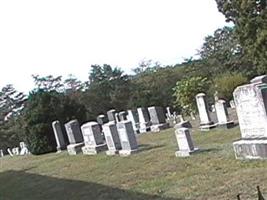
column 259, row 79
column 200, row 95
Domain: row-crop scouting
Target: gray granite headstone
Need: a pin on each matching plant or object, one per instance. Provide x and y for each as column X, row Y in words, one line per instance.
column 133, row 117
column 111, row 115
column 157, row 118
column 144, row 121
column 222, row 114
column 74, row 132
column 123, row 115
column 112, row 138
column 61, row 144
column 102, row 119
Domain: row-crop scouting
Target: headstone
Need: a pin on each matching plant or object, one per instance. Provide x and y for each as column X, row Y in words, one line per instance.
column 232, row 104
column 117, row 118
column 15, row 151
column 75, row 137
column 23, row 149
column 102, row 119
column 157, row 118
column 251, row 106
column 169, row 115
column 1, row 153
column 205, row 123
column 127, row 137
column 112, row 138
column 193, row 117
column 111, row 115
column 213, row 108
column 144, row 121
column 10, row 152
column 93, row 140
column 61, row 144
column 122, row 115
column 185, row 143
column 222, row 115
column 133, row 117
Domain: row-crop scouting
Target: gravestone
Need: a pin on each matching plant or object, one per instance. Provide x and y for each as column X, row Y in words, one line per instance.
column 122, row 115
column 127, row 137
column 222, row 115
column 15, row 151
column 144, row 121
column 133, row 117
column 112, row 138
column 117, row 118
column 157, row 118
column 232, row 104
column 1, row 153
column 93, row 140
column 205, row 123
column 251, row 106
column 111, row 115
column 102, row 119
column 75, row 137
column 23, row 149
column 61, row 144
column 185, row 143
column 169, row 114
column 10, row 152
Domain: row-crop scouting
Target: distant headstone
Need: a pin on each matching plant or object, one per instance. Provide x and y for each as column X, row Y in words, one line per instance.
column 15, row 151
column 127, row 138
column 75, row 137
column 205, row 122
column 93, row 139
column 222, row 115
column 10, row 152
column 123, row 115
column 23, row 149
column 117, row 118
column 112, row 138
column 251, row 106
column 144, row 121
column 185, row 143
column 61, row 144
column 102, row 119
column 133, row 117
column 111, row 115
column 169, row 114
column 157, row 118
column 1, row 153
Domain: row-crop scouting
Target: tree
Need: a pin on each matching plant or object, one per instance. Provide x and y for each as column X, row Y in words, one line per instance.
column 185, row 92
column 42, row 108
column 250, row 20
column 48, row 83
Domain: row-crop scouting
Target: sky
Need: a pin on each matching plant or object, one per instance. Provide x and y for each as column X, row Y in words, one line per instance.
column 62, row 37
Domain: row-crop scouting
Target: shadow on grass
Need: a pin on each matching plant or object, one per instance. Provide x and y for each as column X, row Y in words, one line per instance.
column 147, row 147
column 208, row 150
column 22, row 185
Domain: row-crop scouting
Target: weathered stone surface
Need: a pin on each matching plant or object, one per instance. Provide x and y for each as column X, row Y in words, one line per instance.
column 112, row 138
column 102, row 119
column 74, row 149
column 156, row 115
column 185, row 143
column 251, row 106
column 205, row 121
column 111, row 115
column 122, row 115
column 144, row 121
column 133, row 117
column 127, row 138
column 222, row 115
column 93, row 140
column 61, row 144
column 74, row 132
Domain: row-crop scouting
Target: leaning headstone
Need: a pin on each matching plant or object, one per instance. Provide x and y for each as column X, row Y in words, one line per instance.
column 205, row 123
column 10, row 152
column 112, row 138
column 133, row 117
column 75, row 137
column 111, row 115
column 144, row 121
column 157, row 118
column 169, row 114
column 122, row 115
column 251, row 106
column 102, row 119
column 127, row 137
column 185, row 143
column 61, row 144
column 93, row 140
column 222, row 115
column 1, row 153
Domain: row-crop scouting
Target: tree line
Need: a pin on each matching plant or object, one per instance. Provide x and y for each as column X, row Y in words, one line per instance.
column 228, row 58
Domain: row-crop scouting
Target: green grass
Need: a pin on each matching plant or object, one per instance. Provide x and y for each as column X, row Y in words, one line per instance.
column 153, row 173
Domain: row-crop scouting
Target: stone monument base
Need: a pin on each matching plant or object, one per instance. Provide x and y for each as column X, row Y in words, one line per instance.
column 144, row 129
column 254, row 148
column 159, row 127
column 89, row 150
column 185, row 153
column 227, row 125
column 127, row 152
column 184, row 124
column 207, row 126
column 74, row 149
column 112, row 152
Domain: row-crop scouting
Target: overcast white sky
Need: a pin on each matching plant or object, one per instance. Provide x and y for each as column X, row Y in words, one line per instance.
column 62, row 37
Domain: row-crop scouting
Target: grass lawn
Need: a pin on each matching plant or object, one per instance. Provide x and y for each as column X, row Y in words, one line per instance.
column 153, row 173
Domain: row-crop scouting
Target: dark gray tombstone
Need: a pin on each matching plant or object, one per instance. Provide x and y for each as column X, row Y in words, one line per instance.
column 122, row 115
column 112, row 138
column 101, row 119
column 157, row 118
column 61, row 144
column 111, row 115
